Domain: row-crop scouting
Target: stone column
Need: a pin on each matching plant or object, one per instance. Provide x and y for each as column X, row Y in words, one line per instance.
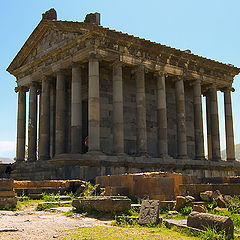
column 44, row 147
column 162, row 115
column 230, row 146
column 181, row 121
column 93, row 106
column 21, row 124
column 141, row 111
column 32, row 123
column 118, row 134
column 216, row 155
column 209, row 131
column 76, row 110
column 60, row 113
column 198, row 120
column 52, row 118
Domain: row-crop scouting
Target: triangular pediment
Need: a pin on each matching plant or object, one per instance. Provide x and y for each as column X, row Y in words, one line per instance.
column 46, row 37
column 49, row 42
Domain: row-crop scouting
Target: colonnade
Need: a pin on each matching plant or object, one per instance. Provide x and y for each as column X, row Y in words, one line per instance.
column 55, row 98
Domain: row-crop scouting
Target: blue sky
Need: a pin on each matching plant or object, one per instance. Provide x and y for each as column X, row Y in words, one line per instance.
column 207, row 28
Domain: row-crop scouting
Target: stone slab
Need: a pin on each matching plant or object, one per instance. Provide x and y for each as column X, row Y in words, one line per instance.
column 103, row 204
column 149, row 213
column 203, row 220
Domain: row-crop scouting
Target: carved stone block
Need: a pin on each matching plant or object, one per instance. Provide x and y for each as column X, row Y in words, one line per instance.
column 149, row 213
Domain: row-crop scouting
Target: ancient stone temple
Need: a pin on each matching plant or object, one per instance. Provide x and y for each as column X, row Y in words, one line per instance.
column 138, row 102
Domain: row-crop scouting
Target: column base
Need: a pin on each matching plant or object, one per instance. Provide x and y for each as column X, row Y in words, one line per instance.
column 200, row 158
column 182, row 157
column 231, row 160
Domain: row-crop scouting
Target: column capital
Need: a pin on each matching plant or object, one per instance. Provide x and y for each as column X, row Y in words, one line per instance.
column 160, row 73
column 94, row 57
column 21, row 89
column 228, row 88
column 46, row 78
column 138, row 68
column 117, row 63
column 76, row 65
column 196, row 82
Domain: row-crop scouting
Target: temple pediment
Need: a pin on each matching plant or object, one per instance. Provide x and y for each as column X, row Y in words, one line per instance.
column 50, row 41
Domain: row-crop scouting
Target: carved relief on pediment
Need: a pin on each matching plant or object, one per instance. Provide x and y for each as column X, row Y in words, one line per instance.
column 50, row 41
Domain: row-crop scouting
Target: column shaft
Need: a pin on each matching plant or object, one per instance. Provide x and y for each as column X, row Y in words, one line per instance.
column 21, row 126
column 162, row 116
column 52, row 118
column 209, row 131
column 198, row 121
column 76, row 110
column 230, row 146
column 93, row 106
column 32, row 124
column 118, row 135
column 216, row 155
column 181, row 121
column 60, row 113
column 44, row 148
column 141, row 111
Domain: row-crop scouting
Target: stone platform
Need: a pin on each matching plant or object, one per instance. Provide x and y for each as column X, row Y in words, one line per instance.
column 88, row 166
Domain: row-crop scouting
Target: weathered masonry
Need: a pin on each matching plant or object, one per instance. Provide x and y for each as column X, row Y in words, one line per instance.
column 139, row 103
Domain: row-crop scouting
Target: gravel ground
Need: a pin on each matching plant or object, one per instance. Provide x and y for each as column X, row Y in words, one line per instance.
column 30, row 224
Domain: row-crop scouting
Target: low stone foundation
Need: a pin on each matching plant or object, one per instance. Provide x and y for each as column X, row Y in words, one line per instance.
column 8, row 197
column 88, row 166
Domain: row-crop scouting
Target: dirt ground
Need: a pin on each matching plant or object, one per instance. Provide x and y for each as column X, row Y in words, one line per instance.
column 31, row 224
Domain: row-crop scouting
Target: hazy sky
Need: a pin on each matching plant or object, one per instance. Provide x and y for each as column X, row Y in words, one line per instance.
column 209, row 28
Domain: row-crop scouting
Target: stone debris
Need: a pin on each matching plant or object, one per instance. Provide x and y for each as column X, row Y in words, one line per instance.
column 199, row 208
column 218, row 198
column 9, row 230
column 149, row 213
column 206, row 196
column 190, row 199
column 203, row 220
column 180, row 203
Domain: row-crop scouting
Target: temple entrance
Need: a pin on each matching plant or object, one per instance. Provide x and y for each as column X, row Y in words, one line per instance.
column 84, row 123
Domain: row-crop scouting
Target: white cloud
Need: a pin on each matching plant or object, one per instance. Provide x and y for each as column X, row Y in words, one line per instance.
column 6, row 146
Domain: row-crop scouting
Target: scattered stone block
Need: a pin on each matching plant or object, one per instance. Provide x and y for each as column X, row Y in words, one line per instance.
column 199, row 208
column 149, row 213
column 103, row 204
column 173, row 213
column 218, row 197
column 203, row 220
column 207, row 196
column 190, row 199
column 228, row 199
column 8, row 202
column 180, row 202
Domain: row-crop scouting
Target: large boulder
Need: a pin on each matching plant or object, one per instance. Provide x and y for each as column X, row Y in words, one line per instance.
column 180, row 203
column 205, row 220
column 206, row 196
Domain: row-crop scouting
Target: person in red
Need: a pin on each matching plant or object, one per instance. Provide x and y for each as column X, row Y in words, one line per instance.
column 86, row 143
